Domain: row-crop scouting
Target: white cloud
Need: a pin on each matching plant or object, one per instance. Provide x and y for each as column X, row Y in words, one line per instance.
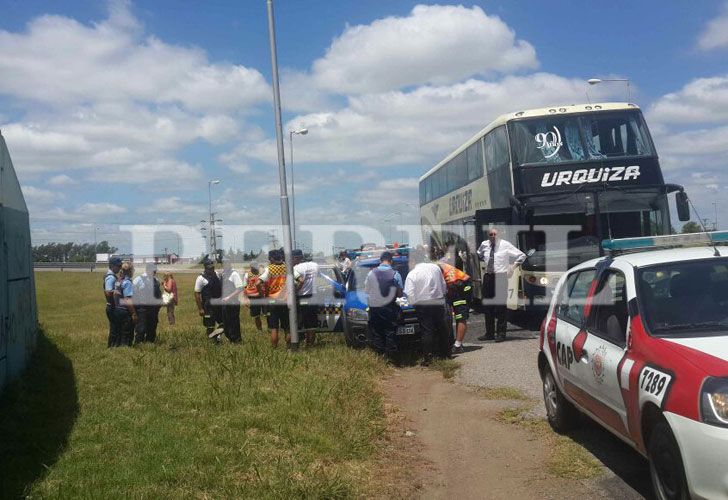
column 59, row 61
column 434, row 44
column 100, row 209
column 39, row 197
column 419, row 126
column 61, row 180
column 715, row 34
column 703, row 100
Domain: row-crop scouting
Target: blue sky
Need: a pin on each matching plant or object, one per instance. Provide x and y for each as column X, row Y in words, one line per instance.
column 119, row 112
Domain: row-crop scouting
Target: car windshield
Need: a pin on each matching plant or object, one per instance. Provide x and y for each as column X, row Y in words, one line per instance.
column 686, row 299
column 359, row 274
column 592, row 137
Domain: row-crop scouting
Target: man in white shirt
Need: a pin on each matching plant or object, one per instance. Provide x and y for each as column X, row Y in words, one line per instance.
column 148, row 298
column 232, row 287
column 425, row 289
column 208, row 291
column 304, row 275
column 501, row 259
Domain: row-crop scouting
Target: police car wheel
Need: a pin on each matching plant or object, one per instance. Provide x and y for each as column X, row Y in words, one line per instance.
column 666, row 465
column 353, row 340
column 561, row 414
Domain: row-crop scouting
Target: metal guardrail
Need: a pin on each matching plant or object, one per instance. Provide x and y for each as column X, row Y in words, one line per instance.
column 90, row 266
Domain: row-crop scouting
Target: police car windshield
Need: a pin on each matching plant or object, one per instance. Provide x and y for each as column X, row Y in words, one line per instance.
column 685, row 299
column 579, row 138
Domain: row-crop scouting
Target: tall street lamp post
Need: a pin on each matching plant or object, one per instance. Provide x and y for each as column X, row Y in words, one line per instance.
column 291, row 133
column 285, row 213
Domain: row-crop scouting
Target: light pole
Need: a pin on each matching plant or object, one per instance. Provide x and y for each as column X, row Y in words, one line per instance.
column 213, row 239
column 285, row 213
column 596, row 81
column 291, row 133
column 715, row 206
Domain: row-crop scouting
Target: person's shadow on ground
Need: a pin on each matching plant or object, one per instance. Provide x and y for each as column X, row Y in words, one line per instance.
column 37, row 413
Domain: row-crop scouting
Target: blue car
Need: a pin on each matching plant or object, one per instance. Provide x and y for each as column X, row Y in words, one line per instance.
column 356, row 317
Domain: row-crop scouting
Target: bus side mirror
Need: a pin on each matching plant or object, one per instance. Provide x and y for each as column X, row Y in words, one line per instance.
column 683, row 207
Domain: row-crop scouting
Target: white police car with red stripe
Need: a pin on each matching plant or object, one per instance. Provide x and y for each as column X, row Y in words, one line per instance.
column 638, row 341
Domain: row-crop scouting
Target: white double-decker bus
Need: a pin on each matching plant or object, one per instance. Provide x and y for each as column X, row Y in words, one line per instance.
column 591, row 166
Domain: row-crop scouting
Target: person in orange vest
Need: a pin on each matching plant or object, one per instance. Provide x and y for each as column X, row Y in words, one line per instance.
column 459, row 290
column 273, row 288
column 251, row 294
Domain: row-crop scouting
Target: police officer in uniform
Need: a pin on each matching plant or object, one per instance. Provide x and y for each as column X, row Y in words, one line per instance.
column 109, row 283
column 208, row 291
column 383, row 285
column 124, row 309
column 148, row 300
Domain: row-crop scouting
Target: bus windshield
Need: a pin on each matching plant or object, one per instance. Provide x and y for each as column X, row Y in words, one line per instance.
column 579, row 138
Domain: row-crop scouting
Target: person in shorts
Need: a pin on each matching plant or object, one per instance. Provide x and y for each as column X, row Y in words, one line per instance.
column 459, row 291
column 252, row 295
column 273, row 287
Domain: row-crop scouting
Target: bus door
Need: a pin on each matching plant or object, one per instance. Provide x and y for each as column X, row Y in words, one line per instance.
column 501, row 218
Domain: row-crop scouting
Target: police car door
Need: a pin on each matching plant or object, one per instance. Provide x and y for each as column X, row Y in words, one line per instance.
column 604, row 349
column 329, row 300
column 570, row 321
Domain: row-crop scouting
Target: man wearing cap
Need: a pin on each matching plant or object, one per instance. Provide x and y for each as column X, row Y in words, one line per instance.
column 383, row 285
column 252, row 294
column 232, row 287
column 208, row 290
column 273, row 288
column 304, row 274
column 109, row 283
column 501, row 260
column 148, row 300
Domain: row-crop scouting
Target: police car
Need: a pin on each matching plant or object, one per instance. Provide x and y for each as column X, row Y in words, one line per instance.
column 638, row 341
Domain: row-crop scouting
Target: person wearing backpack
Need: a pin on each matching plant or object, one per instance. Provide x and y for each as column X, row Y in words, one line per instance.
column 208, row 291
column 148, row 299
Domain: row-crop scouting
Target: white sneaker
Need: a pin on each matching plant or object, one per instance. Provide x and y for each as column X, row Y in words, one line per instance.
column 217, row 331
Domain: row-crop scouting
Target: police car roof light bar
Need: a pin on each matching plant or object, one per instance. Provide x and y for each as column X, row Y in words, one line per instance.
column 669, row 241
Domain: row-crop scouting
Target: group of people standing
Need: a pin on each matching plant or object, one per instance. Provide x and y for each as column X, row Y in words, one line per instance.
column 430, row 286
column 133, row 304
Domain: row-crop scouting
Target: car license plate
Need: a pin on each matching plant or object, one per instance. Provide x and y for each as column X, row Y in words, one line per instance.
column 406, row 330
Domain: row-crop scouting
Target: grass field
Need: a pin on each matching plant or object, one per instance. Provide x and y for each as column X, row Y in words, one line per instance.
column 183, row 418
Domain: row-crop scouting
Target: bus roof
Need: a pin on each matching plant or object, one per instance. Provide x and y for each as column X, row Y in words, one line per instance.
column 533, row 113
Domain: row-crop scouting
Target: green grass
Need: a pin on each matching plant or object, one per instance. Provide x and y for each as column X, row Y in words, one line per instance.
column 183, row 418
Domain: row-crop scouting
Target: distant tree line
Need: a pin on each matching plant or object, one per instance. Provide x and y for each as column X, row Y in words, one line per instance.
column 70, row 252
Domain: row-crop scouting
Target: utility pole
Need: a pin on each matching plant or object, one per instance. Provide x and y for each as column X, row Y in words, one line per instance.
column 715, row 206
column 285, row 210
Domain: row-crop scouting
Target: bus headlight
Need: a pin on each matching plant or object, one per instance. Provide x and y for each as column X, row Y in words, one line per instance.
column 714, row 401
column 543, row 281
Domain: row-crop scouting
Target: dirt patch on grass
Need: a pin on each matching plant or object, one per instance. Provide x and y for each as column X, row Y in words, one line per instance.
column 448, row 441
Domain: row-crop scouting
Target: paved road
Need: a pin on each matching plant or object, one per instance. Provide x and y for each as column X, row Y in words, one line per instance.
column 513, row 363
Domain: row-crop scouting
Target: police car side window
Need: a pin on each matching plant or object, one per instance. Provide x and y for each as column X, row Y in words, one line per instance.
column 609, row 314
column 576, row 289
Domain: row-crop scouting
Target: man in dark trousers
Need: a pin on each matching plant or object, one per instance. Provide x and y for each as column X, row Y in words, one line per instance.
column 501, row 260
column 109, row 283
column 383, row 285
column 208, row 291
column 425, row 289
column 148, row 300
column 232, row 287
